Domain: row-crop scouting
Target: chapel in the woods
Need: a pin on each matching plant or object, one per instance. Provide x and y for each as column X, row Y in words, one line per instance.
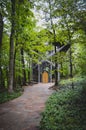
column 43, row 72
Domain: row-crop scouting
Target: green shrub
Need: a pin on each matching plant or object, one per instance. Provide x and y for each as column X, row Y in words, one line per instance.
column 65, row 110
column 76, row 80
column 5, row 96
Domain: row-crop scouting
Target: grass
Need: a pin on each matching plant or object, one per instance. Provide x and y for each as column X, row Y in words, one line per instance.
column 66, row 109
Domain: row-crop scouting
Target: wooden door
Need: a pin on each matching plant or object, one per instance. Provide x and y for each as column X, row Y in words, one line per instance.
column 45, row 77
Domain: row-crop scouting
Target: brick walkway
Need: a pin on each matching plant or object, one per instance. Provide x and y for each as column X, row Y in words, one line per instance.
column 24, row 113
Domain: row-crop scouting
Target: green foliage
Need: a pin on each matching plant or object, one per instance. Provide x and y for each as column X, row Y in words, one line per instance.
column 6, row 96
column 77, row 80
column 68, row 18
column 65, row 110
column 79, row 54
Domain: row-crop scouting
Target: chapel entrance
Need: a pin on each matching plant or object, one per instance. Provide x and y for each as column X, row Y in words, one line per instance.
column 45, row 77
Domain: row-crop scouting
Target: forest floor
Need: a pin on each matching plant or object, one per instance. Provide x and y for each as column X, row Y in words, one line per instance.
column 24, row 113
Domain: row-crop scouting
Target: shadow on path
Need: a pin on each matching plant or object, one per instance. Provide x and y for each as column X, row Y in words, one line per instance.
column 24, row 113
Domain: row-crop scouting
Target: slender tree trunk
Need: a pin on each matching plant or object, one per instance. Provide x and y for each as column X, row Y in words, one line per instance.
column 11, row 60
column 14, row 78
column 71, row 66
column 1, row 29
column 23, row 67
column 62, row 69
column 1, row 36
column 29, row 73
column 54, row 37
column 70, row 55
column 59, row 67
column 7, row 78
column 56, row 72
column 19, row 70
column 19, row 78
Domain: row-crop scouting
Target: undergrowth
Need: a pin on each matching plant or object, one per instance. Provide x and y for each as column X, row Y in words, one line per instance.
column 6, row 96
column 66, row 109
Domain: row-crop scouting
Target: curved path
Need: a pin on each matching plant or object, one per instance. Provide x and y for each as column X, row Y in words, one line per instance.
column 24, row 113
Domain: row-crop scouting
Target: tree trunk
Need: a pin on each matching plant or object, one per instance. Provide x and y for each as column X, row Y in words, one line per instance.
column 23, row 67
column 14, row 78
column 56, row 72
column 71, row 66
column 11, row 60
column 54, row 38
column 1, row 29
column 62, row 70
column 59, row 72
column 29, row 72
column 70, row 55
column 7, row 78
column 1, row 36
